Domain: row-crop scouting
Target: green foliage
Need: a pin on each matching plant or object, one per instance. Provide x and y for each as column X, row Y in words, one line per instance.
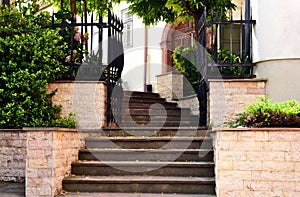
column 173, row 10
column 65, row 17
column 30, row 58
column 225, row 57
column 267, row 114
column 184, row 62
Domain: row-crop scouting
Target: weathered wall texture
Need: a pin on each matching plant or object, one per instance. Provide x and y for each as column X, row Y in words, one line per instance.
column 50, row 153
column 12, row 155
column 87, row 100
column 228, row 98
column 257, row 162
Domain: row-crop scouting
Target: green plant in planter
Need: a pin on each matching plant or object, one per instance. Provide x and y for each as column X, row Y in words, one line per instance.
column 30, row 58
column 267, row 114
column 225, row 57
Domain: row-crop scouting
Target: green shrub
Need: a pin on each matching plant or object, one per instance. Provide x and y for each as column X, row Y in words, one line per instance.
column 30, row 57
column 267, row 114
column 185, row 62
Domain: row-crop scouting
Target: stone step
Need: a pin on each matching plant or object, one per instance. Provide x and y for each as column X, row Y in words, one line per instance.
column 168, row 123
column 168, row 155
column 147, row 105
column 158, row 111
column 188, row 169
column 148, row 142
column 152, row 131
column 144, row 99
column 141, row 94
column 156, row 118
column 143, row 184
column 102, row 194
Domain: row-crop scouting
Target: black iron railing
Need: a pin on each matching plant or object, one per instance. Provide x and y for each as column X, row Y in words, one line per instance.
column 89, row 39
column 229, row 47
column 225, row 52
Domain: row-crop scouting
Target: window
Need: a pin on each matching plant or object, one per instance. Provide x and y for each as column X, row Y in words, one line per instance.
column 127, row 30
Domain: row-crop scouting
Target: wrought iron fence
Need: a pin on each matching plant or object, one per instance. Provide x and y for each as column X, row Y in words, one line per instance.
column 229, row 46
column 94, row 53
column 226, row 52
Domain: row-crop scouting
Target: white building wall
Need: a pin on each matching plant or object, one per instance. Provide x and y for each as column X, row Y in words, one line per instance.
column 276, row 43
column 133, row 73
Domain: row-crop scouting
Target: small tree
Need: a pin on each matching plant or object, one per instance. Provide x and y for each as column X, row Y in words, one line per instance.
column 174, row 10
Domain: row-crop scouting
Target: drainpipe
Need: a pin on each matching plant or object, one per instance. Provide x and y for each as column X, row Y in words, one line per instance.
column 247, row 28
column 145, row 58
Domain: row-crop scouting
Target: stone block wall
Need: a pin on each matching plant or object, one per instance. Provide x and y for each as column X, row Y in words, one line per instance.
column 50, row 153
column 12, row 155
column 170, row 85
column 229, row 97
column 257, row 162
column 190, row 102
column 87, row 100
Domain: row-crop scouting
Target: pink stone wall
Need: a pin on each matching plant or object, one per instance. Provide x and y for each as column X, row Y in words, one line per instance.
column 12, row 155
column 87, row 100
column 257, row 162
column 50, row 152
column 228, row 97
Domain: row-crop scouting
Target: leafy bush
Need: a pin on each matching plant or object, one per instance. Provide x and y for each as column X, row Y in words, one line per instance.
column 267, row 114
column 185, row 62
column 31, row 55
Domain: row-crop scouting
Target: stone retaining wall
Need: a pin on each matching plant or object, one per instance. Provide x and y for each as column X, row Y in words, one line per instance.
column 41, row 157
column 257, row 162
column 12, row 155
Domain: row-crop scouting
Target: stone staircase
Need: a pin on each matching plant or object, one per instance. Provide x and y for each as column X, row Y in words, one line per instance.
column 158, row 152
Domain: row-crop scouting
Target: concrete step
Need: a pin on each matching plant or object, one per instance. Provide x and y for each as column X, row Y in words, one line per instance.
column 147, row 105
column 140, row 94
column 168, row 123
column 157, row 117
column 168, row 155
column 112, row 168
column 136, row 142
column 158, row 111
column 152, row 131
column 102, row 194
column 143, row 99
column 143, row 184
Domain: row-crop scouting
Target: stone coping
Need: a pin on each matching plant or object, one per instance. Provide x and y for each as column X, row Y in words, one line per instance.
column 239, row 80
column 171, row 72
column 26, row 129
column 268, row 129
column 76, row 81
column 188, row 97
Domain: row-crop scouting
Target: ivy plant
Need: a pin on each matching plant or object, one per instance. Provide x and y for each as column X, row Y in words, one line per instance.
column 30, row 57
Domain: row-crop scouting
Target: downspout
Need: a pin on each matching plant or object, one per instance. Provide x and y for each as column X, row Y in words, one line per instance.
column 145, row 58
column 247, row 29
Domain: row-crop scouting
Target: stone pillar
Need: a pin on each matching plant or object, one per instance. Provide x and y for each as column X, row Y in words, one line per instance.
column 50, row 152
column 170, row 85
column 228, row 97
column 87, row 100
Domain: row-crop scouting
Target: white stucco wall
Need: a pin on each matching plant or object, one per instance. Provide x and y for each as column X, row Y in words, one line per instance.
column 133, row 73
column 276, row 46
